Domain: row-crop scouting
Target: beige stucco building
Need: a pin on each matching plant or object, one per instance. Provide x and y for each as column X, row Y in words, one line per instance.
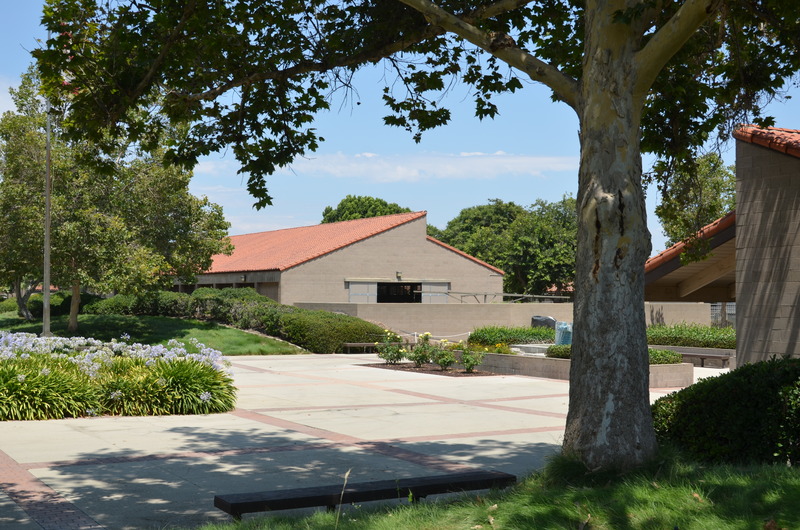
column 767, row 243
column 388, row 259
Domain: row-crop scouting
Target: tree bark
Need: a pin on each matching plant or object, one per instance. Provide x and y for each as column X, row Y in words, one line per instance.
column 74, row 306
column 22, row 296
column 609, row 424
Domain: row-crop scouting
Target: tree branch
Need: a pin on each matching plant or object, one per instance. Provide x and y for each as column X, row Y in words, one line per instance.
column 428, row 32
column 564, row 87
column 670, row 38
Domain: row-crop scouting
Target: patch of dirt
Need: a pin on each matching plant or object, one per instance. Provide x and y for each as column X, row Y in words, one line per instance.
column 432, row 369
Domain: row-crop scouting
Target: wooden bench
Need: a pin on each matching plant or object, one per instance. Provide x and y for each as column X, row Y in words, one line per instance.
column 237, row 504
column 724, row 357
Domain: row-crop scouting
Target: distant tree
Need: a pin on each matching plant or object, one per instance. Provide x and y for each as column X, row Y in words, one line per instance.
column 699, row 193
column 130, row 229
column 535, row 246
column 542, row 245
column 475, row 228
column 360, row 207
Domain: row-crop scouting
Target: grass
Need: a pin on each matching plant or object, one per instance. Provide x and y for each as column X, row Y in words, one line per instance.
column 157, row 330
column 670, row 494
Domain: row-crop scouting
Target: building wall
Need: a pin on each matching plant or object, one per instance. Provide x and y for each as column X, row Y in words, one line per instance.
column 380, row 258
column 455, row 321
column 767, row 253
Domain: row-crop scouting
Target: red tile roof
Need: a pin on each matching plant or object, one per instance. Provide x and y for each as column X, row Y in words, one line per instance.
column 707, row 232
column 785, row 141
column 284, row 249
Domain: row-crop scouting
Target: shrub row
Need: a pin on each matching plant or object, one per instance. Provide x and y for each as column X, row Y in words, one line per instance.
column 748, row 415
column 491, row 335
column 564, row 351
column 244, row 308
column 59, row 303
column 693, row 335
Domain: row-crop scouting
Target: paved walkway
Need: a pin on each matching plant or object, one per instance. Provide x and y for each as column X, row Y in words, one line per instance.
column 300, row 421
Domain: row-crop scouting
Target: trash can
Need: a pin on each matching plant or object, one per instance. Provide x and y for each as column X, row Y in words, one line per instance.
column 543, row 322
column 563, row 333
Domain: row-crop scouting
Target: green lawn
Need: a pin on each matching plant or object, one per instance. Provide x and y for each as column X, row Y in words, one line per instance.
column 157, row 330
column 672, row 494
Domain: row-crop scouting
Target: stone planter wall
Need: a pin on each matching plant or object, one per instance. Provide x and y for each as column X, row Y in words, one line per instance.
column 661, row 375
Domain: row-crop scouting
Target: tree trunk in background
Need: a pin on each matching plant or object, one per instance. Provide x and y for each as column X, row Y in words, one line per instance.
column 74, row 307
column 609, row 424
column 23, row 295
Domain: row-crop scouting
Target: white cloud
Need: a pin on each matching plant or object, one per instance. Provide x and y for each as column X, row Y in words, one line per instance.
column 431, row 166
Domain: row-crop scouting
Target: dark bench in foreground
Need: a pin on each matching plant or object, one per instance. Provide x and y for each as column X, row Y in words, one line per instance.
column 237, row 504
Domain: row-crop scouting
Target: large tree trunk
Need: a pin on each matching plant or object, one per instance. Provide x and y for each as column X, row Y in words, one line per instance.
column 609, row 424
column 74, row 306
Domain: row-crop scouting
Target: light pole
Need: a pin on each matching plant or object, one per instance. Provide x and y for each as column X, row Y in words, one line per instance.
column 47, row 190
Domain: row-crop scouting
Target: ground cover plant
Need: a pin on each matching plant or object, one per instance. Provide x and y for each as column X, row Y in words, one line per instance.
column 564, row 351
column 158, row 330
column 56, row 377
column 692, row 335
column 670, row 493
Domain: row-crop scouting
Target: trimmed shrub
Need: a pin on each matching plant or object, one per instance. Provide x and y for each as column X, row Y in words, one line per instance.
column 7, row 305
column 121, row 304
column 491, row 335
column 564, row 351
column 559, row 351
column 692, row 335
column 749, row 415
column 324, row 332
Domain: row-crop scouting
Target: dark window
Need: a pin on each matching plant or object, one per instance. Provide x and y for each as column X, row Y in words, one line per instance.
column 399, row 293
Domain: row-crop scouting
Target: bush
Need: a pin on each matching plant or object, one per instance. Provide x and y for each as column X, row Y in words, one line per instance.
column 325, row 332
column 121, row 304
column 7, row 305
column 749, row 415
column 316, row 331
column 54, row 377
column 564, row 351
column 388, row 349
column 559, row 351
column 471, row 358
column 692, row 335
column 491, row 335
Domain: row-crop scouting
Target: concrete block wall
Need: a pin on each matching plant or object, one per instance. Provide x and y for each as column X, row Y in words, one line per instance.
column 767, row 253
column 456, row 321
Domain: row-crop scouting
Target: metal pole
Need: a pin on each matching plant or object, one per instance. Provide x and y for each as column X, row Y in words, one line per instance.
column 47, row 191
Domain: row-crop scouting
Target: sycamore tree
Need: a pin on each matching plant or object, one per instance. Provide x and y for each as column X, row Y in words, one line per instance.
column 652, row 75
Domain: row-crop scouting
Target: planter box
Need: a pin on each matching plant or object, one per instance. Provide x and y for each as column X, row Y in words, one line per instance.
column 661, row 375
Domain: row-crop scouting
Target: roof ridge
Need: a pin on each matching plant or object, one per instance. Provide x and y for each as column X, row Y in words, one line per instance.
column 786, row 141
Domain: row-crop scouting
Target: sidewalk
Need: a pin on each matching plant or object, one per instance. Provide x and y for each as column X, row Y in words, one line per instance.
column 301, row 421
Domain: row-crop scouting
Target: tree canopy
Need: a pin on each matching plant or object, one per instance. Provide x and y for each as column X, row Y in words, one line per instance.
column 360, row 207
column 127, row 230
column 641, row 75
column 703, row 193
column 535, row 246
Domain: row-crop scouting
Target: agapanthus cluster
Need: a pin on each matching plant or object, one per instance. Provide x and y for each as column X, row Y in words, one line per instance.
column 91, row 354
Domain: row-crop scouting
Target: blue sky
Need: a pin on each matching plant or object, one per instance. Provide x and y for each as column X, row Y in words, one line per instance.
column 530, row 152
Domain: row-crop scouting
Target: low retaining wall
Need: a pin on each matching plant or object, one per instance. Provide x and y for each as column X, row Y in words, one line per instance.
column 661, row 375
column 456, row 321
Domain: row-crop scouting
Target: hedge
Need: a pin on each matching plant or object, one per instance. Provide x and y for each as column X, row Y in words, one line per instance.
column 244, row 308
column 748, row 415
column 564, row 351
